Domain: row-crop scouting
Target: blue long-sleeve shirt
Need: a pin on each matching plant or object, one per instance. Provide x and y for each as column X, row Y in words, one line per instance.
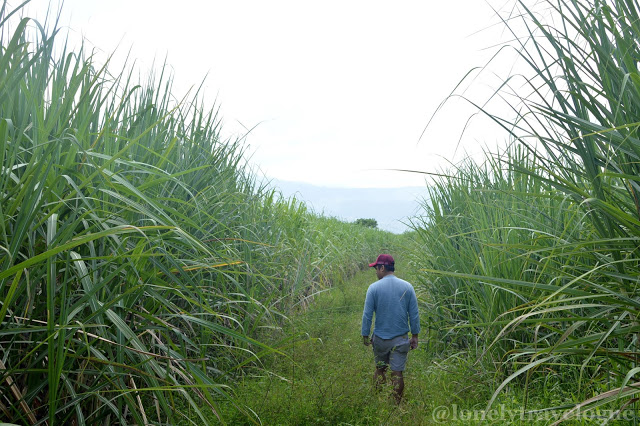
column 395, row 305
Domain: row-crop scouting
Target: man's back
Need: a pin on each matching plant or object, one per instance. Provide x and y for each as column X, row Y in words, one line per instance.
column 394, row 302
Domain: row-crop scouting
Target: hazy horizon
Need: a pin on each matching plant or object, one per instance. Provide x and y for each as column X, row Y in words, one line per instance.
column 390, row 207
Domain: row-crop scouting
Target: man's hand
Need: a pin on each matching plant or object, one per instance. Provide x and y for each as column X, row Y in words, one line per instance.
column 366, row 341
column 414, row 341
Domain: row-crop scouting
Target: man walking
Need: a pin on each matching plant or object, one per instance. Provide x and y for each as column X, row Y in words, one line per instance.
column 396, row 308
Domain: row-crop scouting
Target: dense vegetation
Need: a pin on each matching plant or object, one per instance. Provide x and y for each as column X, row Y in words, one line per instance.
column 369, row 223
column 140, row 257
column 146, row 270
column 533, row 258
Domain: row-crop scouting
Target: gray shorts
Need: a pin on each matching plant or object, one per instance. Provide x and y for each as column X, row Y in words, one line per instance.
column 391, row 352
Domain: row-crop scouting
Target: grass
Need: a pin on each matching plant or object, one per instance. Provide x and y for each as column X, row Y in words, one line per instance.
column 147, row 275
column 533, row 256
column 140, row 256
column 326, row 376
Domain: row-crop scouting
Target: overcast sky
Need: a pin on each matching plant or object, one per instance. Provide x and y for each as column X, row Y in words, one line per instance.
column 336, row 91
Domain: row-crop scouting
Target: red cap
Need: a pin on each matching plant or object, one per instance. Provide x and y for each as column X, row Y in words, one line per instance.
column 383, row 259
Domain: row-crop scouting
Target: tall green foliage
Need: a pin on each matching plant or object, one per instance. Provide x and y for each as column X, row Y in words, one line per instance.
column 139, row 254
column 557, row 274
column 489, row 221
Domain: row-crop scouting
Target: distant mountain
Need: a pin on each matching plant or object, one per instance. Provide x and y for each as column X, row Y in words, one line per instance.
column 389, row 206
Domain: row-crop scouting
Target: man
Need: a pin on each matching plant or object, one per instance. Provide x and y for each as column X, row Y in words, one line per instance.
column 395, row 306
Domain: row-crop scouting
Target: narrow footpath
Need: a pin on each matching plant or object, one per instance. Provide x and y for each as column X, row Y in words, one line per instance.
column 327, row 378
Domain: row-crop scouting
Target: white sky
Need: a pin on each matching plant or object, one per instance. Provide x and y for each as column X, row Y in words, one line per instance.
column 338, row 90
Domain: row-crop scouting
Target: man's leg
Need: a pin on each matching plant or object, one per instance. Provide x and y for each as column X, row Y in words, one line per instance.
column 379, row 377
column 398, row 385
column 397, row 362
column 381, row 356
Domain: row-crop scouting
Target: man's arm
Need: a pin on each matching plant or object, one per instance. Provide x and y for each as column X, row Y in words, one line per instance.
column 414, row 319
column 367, row 317
column 414, row 341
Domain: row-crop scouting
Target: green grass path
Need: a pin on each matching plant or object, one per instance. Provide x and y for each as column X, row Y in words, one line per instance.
column 326, row 377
